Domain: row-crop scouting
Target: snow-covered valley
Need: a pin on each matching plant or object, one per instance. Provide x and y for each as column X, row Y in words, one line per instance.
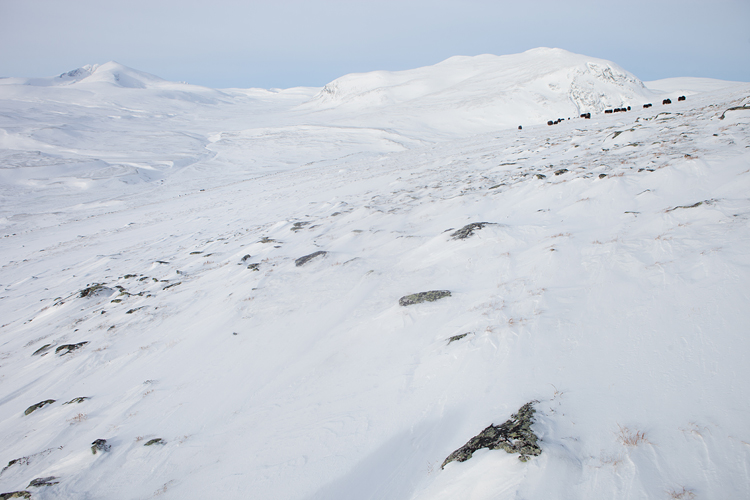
column 151, row 237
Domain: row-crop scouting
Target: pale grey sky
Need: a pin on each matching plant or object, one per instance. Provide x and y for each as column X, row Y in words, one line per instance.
column 285, row 43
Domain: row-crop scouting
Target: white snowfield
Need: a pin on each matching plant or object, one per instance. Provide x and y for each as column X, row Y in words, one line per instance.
column 150, row 234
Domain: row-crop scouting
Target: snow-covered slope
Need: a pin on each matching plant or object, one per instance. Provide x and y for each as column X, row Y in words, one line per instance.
column 609, row 285
column 464, row 95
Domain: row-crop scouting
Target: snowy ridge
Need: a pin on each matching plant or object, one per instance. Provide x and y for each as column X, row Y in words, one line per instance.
column 609, row 285
column 488, row 92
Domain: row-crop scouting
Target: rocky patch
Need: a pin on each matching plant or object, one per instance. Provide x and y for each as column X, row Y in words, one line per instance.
column 307, row 258
column 418, row 298
column 67, row 348
column 31, row 409
column 100, row 445
column 513, row 436
column 468, row 230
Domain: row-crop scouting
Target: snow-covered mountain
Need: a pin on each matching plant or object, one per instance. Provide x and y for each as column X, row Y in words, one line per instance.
column 218, row 295
column 476, row 94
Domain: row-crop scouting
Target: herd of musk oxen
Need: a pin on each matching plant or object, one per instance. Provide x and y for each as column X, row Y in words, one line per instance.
column 609, row 111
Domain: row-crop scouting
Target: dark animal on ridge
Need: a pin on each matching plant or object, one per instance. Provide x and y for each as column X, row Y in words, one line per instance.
column 666, row 101
column 681, row 98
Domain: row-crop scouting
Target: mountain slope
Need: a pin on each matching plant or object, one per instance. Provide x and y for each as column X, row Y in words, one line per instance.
column 609, row 285
column 464, row 95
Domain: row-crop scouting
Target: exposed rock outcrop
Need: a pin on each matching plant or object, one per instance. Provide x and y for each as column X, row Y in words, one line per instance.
column 307, row 258
column 513, row 436
column 417, row 298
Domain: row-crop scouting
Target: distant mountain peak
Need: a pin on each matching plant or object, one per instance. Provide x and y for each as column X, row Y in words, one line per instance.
column 111, row 72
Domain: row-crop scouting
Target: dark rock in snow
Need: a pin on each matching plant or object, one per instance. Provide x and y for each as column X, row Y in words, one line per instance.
column 602, row 176
column 468, row 230
column 96, row 289
column 31, row 409
column 514, row 436
column 307, row 258
column 66, row 348
column 417, row 298
column 43, row 481
column 254, row 267
column 246, row 257
column 100, row 445
column 298, row 225
column 15, row 494
column 76, row 400
column 561, row 171
column 690, row 206
column 540, row 176
column 155, row 441
column 456, row 337
column 42, row 350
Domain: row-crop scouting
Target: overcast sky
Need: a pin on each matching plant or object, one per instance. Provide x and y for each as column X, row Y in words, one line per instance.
column 286, row 43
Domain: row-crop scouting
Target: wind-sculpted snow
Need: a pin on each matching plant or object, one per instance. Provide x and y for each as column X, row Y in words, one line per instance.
column 171, row 347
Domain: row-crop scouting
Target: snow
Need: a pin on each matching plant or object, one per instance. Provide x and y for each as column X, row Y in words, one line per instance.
column 617, row 301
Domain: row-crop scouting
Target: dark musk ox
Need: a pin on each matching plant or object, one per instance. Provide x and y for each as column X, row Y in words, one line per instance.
column 647, row 105
column 607, row 111
column 586, row 115
column 681, row 98
column 666, row 101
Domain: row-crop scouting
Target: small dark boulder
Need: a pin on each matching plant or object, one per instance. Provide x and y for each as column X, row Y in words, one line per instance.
column 155, row 441
column 42, row 350
column 76, row 400
column 100, row 445
column 418, row 298
column 245, row 258
column 468, row 230
column 561, row 171
column 307, row 258
column 514, row 436
column 43, row 481
column 96, row 290
column 254, row 267
column 66, row 348
column 456, row 337
column 298, row 225
column 540, row 176
column 31, row 409
column 92, row 290
column 15, row 494
column 602, row 176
